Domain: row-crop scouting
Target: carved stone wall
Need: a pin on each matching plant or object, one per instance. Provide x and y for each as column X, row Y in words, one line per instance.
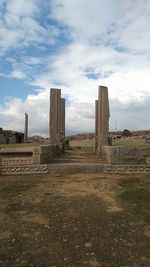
column 73, row 168
column 108, row 168
column 15, row 161
column 19, row 170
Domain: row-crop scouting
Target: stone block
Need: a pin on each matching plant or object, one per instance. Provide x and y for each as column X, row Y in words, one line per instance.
column 25, row 170
column 126, row 155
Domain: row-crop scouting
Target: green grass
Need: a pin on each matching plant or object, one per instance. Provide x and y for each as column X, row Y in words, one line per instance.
column 68, row 148
column 128, row 183
column 136, row 195
column 107, row 258
column 132, row 145
column 21, row 145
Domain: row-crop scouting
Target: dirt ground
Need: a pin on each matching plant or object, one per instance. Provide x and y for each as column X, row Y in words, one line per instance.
column 93, row 220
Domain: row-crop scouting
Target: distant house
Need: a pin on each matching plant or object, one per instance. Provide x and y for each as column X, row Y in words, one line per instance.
column 11, row 137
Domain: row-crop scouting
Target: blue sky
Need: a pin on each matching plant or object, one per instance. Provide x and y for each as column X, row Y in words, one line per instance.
column 75, row 46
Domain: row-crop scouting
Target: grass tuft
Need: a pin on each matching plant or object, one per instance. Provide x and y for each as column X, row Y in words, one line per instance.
column 14, row 188
column 137, row 195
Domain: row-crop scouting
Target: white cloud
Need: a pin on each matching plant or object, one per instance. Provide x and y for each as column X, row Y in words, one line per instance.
column 20, row 26
column 22, row 8
column 12, row 113
column 132, row 116
column 86, row 18
column 17, row 74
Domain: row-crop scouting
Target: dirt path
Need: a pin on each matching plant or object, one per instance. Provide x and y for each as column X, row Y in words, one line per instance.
column 70, row 221
column 79, row 156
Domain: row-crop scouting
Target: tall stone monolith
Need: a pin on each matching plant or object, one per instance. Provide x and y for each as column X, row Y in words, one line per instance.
column 55, row 117
column 103, row 118
column 96, row 125
column 26, row 128
column 62, row 119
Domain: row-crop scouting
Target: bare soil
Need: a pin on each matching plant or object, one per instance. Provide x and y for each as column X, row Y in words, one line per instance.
column 93, row 220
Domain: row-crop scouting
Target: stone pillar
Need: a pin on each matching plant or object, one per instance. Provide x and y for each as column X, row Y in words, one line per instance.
column 26, row 128
column 103, row 118
column 54, row 120
column 62, row 119
column 0, row 166
column 96, row 125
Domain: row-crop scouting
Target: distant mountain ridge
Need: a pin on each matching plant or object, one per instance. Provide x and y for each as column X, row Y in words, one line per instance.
column 36, row 137
column 140, row 133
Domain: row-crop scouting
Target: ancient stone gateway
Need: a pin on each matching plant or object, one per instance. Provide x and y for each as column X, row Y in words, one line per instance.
column 57, row 120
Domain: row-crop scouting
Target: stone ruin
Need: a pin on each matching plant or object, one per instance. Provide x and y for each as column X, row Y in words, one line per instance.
column 57, row 120
column 39, row 159
column 11, row 137
column 26, row 128
column 102, row 115
column 114, row 154
column 32, row 158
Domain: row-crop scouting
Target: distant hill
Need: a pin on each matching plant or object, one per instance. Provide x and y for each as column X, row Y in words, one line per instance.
column 36, row 138
column 141, row 133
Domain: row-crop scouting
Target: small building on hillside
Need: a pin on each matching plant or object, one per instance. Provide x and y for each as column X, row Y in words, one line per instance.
column 11, row 137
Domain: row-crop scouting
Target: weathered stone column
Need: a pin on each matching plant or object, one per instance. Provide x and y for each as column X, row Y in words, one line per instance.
column 62, row 119
column 103, row 118
column 96, row 125
column 26, row 128
column 54, row 120
column 0, row 165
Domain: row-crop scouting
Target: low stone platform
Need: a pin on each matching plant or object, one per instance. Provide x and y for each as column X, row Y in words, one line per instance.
column 72, row 162
column 65, row 168
column 96, row 168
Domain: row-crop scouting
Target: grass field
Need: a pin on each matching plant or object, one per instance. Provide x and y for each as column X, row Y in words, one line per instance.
column 75, row 220
column 20, row 145
column 131, row 142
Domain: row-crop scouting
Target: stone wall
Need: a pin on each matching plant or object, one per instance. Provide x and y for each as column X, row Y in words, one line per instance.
column 66, row 168
column 27, row 160
column 2, row 139
column 126, row 155
column 73, row 168
column 28, row 155
column 24, row 170
column 96, row 168
column 82, row 143
column 147, row 140
column 108, row 168
column 10, row 137
column 15, row 161
column 44, row 154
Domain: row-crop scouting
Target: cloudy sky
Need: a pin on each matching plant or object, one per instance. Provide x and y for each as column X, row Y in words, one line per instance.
column 74, row 45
